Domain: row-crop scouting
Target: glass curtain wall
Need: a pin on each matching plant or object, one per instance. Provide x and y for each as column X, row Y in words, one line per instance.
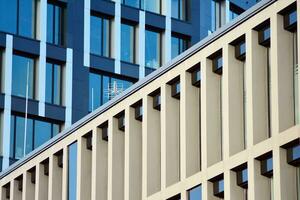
column 18, row 17
column 53, row 83
column 179, row 45
column 179, row 9
column 100, row 36
column 55, row 24
column 127, row 43
column 153, row 49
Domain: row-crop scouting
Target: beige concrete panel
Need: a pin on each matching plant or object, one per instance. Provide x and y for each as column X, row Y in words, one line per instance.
column 282, row 74
column 258, row 186
column 28, row 187
column 171, row 118
column 15, row 193
column 99, row 165
column 41, row 191
column 298, row 40
column 233, row 115
column 256, row 70
column 133, row 156
column 285, row 179
column 211, row 123
column 232, row 190
column 84, row 173
column 190, row 126
column 151, row 134
column 55, row 179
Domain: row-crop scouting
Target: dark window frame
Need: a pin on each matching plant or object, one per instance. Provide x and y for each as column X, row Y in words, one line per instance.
column 104, row 130
column 53, row 63
column 134, row 57
column 159, row 49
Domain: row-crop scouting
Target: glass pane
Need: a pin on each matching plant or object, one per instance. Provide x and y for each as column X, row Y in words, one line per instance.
column 175, row 47
column 96, row 41
column 50, row 27
column 106, row 38
column 55, row 130
column 72, row 171
column 42, row 133
column 57, row 25
column 127, row 42
column 27, row 18
column 152, row 5
column 21, row 67
column 20, row 130
column 94, row 91
column 195, row 193
column 105, row 96
column 49, row 83
column 133, row 3
column 221, row 185
column 296, row 152
column 8, row 16
column 56, row 84
column 175, row 8
column 293, row 17
column 245, row 175
column 29, row 136
column 12, row 137
column 269, row 164
column 152, row 49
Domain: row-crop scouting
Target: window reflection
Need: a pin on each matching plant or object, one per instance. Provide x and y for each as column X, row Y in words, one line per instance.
column 179, row 8
column 53, row 83
column 22, row 75
column 127, row 43
column 195, row 193
column 152, row 52
column 72, row 171
column 100, row 30
column 55, row 24
column 179, row 45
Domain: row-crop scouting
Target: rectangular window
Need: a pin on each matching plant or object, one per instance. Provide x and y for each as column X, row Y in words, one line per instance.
column 179, row 9
column 216, row 10
column 132, row 3
column 179, row 45
column 152, row 5
column 127, row 43
column 195, row 193
column 55, row 24
column 153, row 49
column 100, row 36
column 23, row 71
column 72, row 171
column 53, row 83
column 34, row 134
column 18, row 17
column 103, row 88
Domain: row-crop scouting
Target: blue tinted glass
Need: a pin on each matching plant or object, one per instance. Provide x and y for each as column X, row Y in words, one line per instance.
column 195, row 193
column 198, row 76
column 27, row 18
column 57, row 25
column 12, row 136
column 269, row 164
column 29, row 136
column 175, row 7
column 296, row 152
column 267, row 33
column 152, row 5
column 72, row 171
column 49, row 82
column 8, row 16
column 177, row 87
column 175, row 47
column 221, row 185
column 245, row 175
column 42, row 133
column 55, row 130
column 105, row 36
column 243, row 48
column 94, row 91
column 96, row 41
column 20, row 77
column 293, row 17
column 133, row 3
column 152, row 51
column 219, row 62
column 56, row 84
column 50, row 27
column 127, row 43
column 19, row 137
column 105, row 89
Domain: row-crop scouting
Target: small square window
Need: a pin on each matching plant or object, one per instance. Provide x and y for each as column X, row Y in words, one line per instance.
column 176, row 90
column 267, row 166
column 217, row 62
column 121, row 122
column 45, row 163
column 32, row 172
column 138, row 111
column 157, row 102
column 104, row 130
column 293, row 155
column 290, row 21
column 264, row 36
column 240, row 51
column 59, row 156
column 89, row 140
column 219, row 188
column 196, row 77
column 242, row 178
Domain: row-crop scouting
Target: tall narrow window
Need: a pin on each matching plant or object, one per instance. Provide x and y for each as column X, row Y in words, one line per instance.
column 179, row 45
column 127, row 43
column 23, row 76
column 100, row 36
column 55, row 24
column 18, row 17
column 216, row 10
column 72, row 171
column 53, row 83
column 179, row 9
column 153, row 49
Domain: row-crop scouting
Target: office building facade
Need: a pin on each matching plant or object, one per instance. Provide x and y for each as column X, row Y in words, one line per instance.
column 221, row 121
column 62, row 59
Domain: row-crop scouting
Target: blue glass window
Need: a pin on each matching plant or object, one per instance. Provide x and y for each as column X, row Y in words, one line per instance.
column 127, row 43
column 152, row 5
column 293, row 17
column 34, row 134
column 55, row 24
column 153, row 49
column 53, row 83
column 103, row 88
column 18, row 17
column 132, row 3
column 267, row 166
column 22, row 75
column 195, row 193
column 179, row 45
column 100, row 36
column 296, row 152
column 179, row 8
column 72, row 171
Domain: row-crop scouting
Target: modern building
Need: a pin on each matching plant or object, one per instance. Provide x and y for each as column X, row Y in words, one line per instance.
column 220, row 121
column 61, row 59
